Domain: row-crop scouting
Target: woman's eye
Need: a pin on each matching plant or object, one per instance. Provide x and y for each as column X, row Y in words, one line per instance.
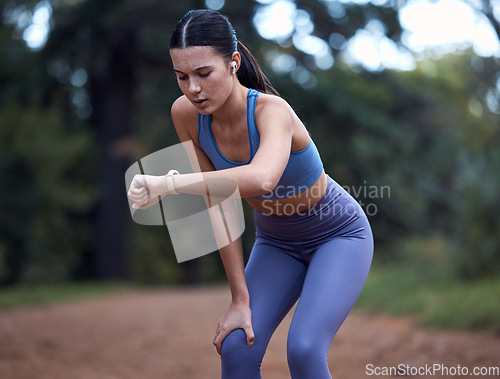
column 205, row 75
column 182, row 77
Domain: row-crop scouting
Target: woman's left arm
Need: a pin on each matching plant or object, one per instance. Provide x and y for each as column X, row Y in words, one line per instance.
column 275, row 124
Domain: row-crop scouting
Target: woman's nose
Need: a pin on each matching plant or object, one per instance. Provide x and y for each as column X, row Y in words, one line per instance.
column 194, row 87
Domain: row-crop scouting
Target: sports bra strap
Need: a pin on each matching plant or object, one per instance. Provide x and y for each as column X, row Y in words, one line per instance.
column 254, row 135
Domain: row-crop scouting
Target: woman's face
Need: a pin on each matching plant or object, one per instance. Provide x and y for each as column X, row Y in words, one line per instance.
column 204, row 77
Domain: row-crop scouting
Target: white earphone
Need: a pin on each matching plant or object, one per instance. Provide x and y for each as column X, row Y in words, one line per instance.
column 233, row 65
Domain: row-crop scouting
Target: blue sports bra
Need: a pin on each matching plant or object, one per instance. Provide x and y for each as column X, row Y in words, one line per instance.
column 303, row 169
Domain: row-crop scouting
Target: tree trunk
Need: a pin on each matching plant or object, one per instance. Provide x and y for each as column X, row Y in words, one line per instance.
column 113, row 107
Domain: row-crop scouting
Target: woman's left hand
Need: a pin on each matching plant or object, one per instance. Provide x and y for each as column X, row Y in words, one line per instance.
column 237, row 316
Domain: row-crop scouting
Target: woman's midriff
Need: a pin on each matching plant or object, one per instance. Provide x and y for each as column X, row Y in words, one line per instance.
column 294, row 204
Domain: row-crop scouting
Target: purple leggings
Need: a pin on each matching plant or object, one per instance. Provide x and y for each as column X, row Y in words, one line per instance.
column 323, row 256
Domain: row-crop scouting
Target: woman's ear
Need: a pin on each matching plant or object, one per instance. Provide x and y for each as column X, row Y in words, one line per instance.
column 236, row 59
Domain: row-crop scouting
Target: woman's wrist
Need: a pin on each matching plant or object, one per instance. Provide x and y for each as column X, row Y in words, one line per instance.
column 169, row 182
column 241, row 299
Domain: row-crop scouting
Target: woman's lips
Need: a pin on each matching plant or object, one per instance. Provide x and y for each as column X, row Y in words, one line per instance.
column 201, row 103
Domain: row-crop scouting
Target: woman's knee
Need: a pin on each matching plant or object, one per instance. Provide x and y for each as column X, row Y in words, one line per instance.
column 302, row 351
column 237, row 356
column 303, row 355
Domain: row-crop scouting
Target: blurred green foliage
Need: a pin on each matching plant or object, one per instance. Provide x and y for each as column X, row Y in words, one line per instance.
column 47, row 184
column 405, row 144
column 26, row 295
column 436, row 303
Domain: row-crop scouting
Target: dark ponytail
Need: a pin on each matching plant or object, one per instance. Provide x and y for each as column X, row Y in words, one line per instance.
column 250, row 73
column 209, row 28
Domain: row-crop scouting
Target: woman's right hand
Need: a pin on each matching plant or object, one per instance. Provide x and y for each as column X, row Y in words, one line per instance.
column 147, row 190
column 237, row 316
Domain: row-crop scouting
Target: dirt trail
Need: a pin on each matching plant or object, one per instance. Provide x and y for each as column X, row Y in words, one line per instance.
column 167, row 334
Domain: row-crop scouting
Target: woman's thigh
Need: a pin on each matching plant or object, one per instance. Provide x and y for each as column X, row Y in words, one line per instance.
column 334, row 280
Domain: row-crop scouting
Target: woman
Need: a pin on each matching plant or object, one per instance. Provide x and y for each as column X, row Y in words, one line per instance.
column 312, row 238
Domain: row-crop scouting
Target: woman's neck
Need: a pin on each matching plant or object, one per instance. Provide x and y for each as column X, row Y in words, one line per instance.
column 233, row 109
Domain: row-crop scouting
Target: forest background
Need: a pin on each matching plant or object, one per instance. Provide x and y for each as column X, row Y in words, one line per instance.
column 418, row 147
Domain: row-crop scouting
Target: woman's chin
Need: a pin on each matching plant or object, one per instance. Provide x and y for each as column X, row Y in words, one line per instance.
column 203, row 109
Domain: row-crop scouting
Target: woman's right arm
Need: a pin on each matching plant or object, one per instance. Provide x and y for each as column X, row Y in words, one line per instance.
column 238, row 315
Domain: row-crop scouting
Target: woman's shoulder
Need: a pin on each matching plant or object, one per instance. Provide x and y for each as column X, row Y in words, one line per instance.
column 272, row 111
column 272, row 101
column 184, row 115
column 272, row 105
column 185, row 118
column 182, row 109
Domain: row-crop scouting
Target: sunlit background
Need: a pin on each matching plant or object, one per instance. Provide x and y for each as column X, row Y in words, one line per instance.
column 430, row 29
column 429, row 26
column 435, row 27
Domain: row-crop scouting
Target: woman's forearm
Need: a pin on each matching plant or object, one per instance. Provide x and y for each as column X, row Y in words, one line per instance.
column 249, row 181
column 232, row 259
column 227, row 230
